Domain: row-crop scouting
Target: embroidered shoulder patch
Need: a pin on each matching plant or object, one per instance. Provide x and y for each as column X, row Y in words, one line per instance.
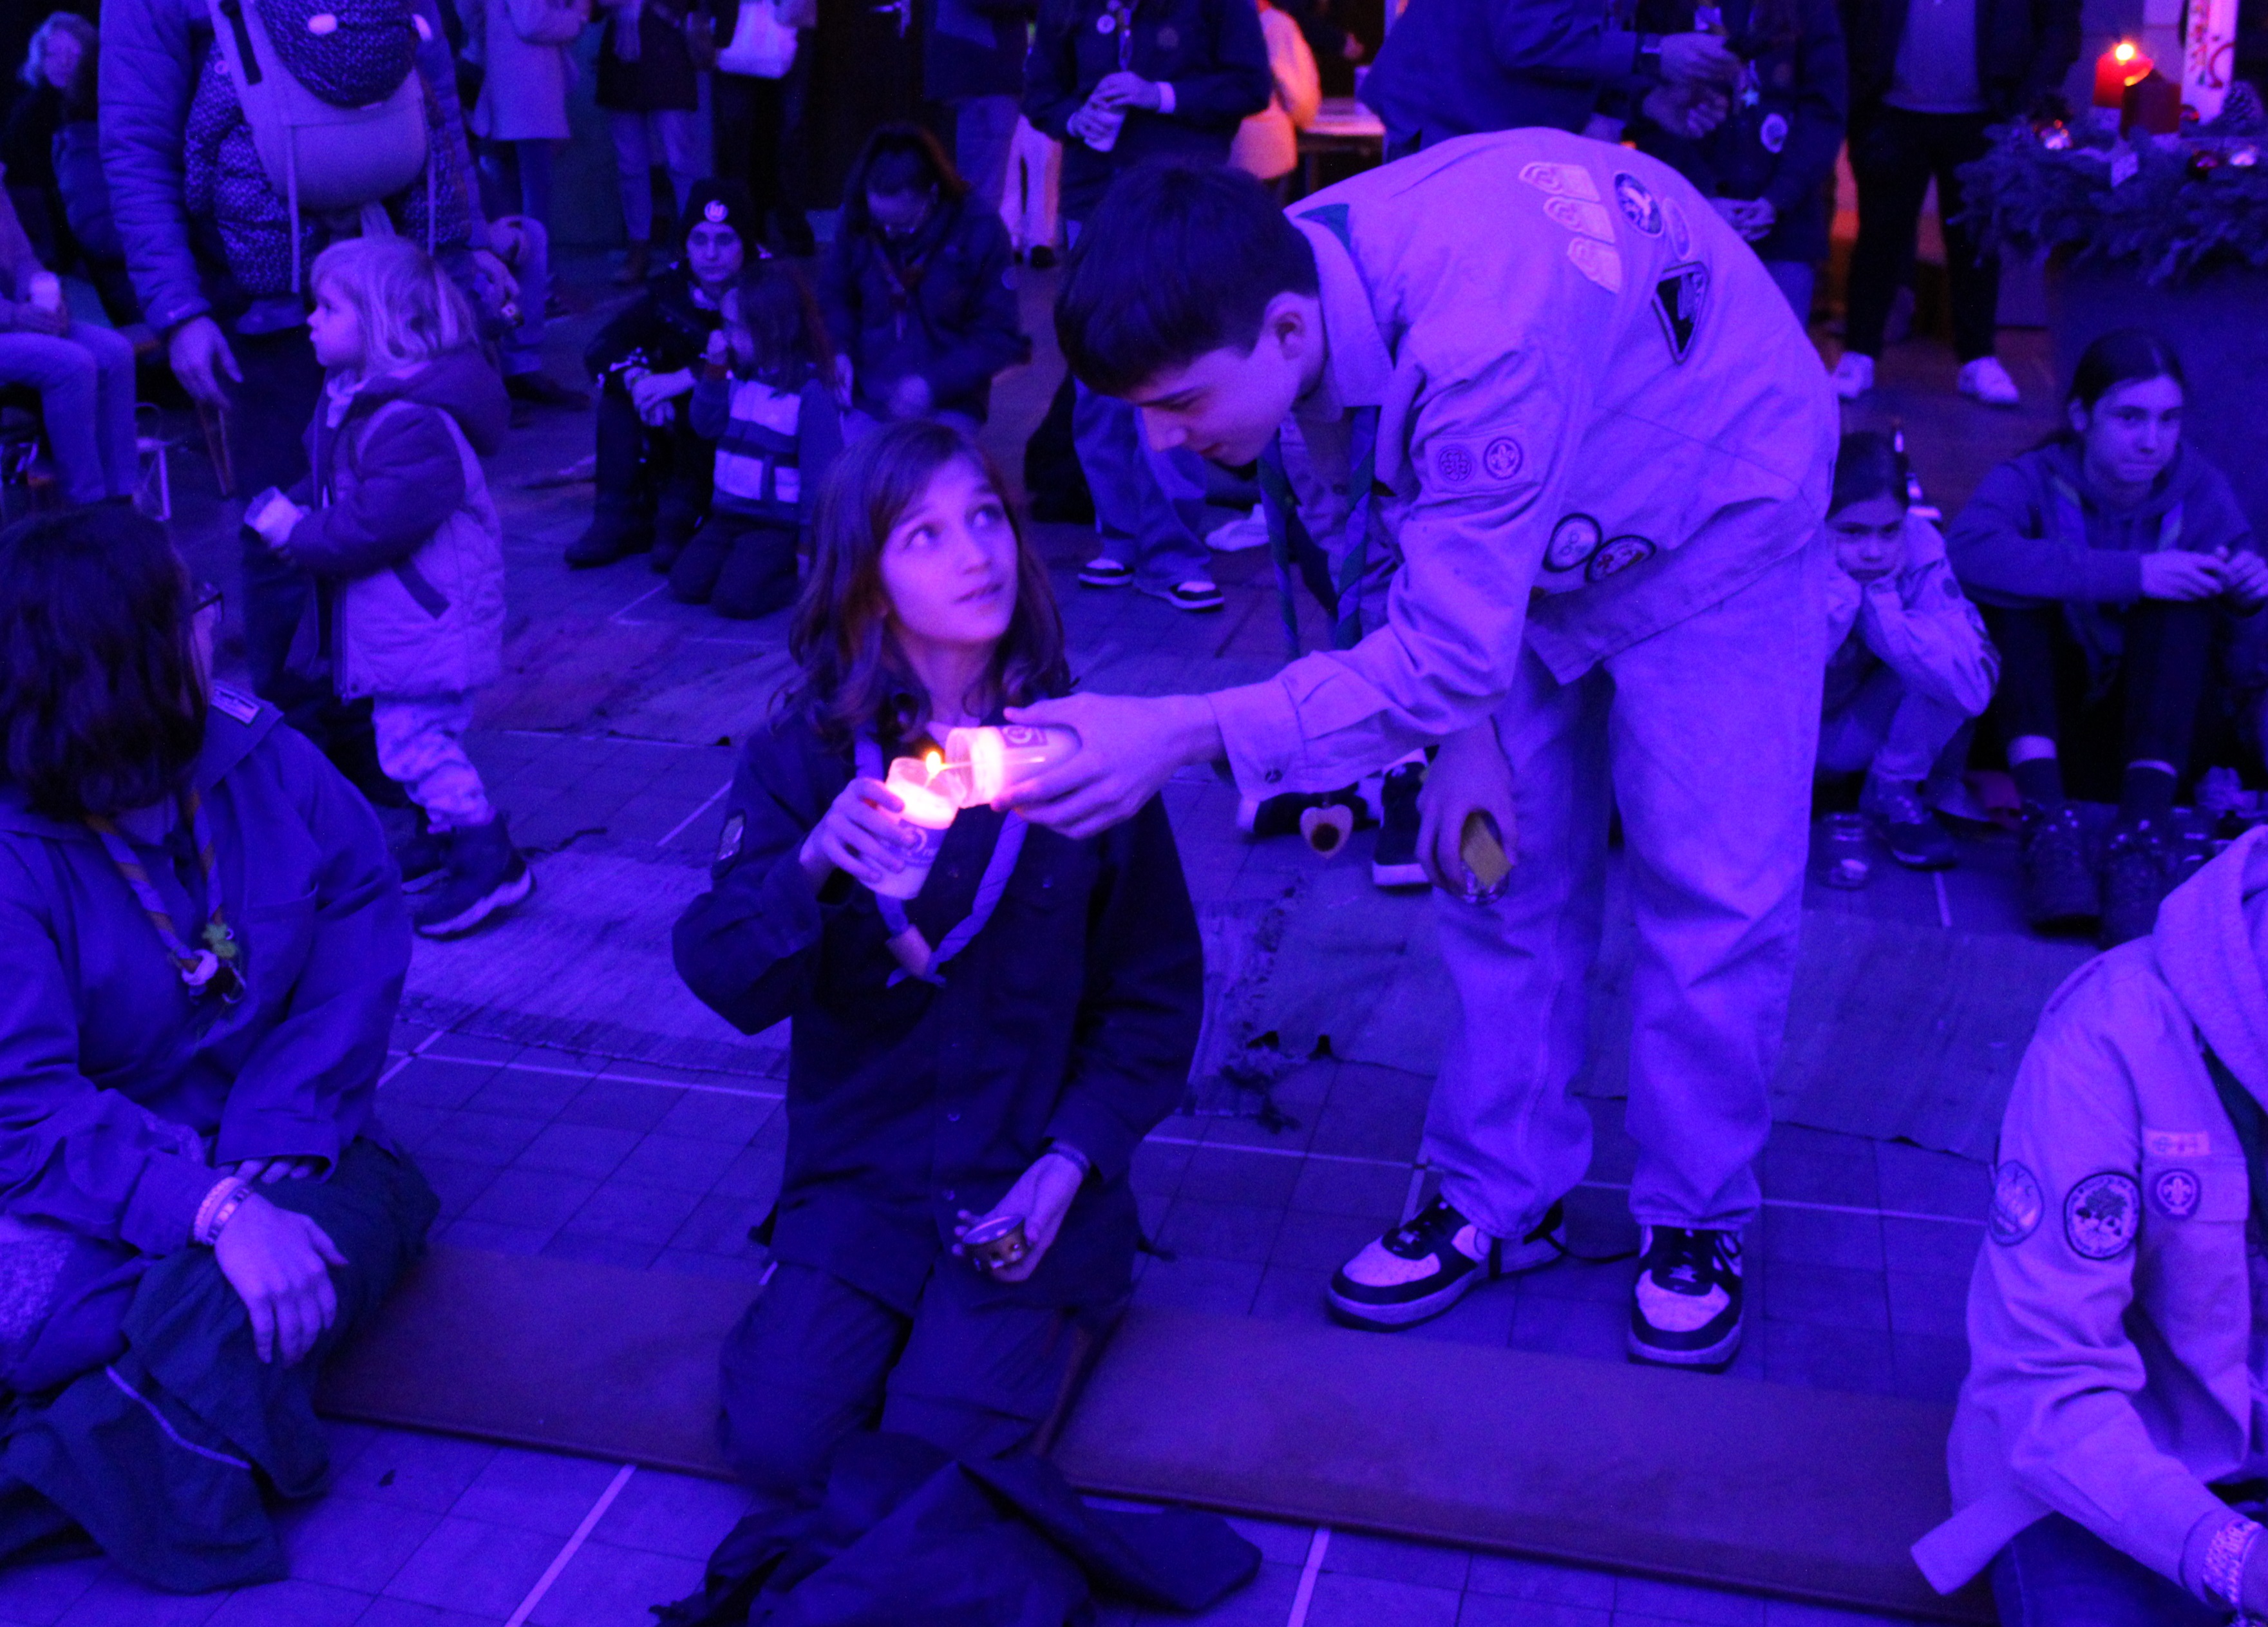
column 1561, row 181
column 1598, row 261
column 728, row 844
column 1453, row 464
column 2175, row 1194
column 2016, row 1204
column 1617, row 556
column 1679, row 299
column 2102, row 1214
column 1502, row 458
column 2176, row 1144
column 1681, row 236
column 1573, row 540
column 1590, row 219
column 1637, row 205
column 1773, row 132
column 234, row 703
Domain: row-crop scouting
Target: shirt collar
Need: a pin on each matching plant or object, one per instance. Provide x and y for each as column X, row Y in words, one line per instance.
column 1359, row 368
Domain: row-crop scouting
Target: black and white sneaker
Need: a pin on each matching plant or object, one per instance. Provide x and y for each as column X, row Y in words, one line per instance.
column 1685, row 1310
column 1393, row 861
column 1197, row 593
column 1104, row 572
column 1418, row 1271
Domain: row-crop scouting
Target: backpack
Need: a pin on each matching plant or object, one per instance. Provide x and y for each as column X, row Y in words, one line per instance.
column 319, row 155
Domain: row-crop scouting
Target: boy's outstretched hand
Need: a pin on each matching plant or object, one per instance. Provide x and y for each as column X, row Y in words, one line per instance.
column 1128, row 749
column 1042, row 1196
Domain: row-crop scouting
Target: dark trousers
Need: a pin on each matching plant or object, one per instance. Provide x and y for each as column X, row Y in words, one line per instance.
column 656, row 475
column 2160, row 684
column 2058, row 1573
column 738, row 565
column 761, row 140
column 814, row 1360
column 268, row 418
column 1894, row 156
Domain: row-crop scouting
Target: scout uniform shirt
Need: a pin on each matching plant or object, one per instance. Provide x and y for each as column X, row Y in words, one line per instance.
column 1589, row 396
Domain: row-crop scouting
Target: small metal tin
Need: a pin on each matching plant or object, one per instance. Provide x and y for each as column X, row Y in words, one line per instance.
column 997, row 1242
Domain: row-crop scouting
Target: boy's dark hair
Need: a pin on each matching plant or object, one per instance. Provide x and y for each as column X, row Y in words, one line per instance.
column 788, row 344
column 898, row 159
column 1177, row 261
column 101, row 707
column 1868, row 465
column 853, row 677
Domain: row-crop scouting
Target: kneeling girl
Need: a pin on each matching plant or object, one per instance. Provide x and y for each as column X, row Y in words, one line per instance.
column 1052, row 1029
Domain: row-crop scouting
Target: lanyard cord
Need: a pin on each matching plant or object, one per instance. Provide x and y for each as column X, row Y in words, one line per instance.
column 211, row 968
column 915, row 955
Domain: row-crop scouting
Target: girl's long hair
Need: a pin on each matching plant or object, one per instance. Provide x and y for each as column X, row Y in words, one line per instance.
column 854, row 677
column 101, row 707
column 777, row 335
column 1868, row 465
column 410, row 311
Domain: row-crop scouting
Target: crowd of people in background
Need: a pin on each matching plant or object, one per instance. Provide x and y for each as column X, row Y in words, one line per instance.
column 336, row 243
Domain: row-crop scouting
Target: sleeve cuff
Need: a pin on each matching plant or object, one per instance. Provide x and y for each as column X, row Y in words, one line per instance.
column 1165, row 99
column 1260, row 734
column 165, row 1204
column 274, row 1135
column 1098, row 1135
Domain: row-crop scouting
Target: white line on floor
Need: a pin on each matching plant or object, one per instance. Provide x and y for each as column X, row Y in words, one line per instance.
column 519, row 1617
column 608, row 1079
column 708, row 802
column 622, row 617
column 411, row 1055
column 1304, row 1594
column 1825, row 1209
column 1944, row 903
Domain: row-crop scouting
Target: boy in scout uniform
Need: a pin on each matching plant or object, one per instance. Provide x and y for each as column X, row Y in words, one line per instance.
column 1583, row 451
column 2109, row 1452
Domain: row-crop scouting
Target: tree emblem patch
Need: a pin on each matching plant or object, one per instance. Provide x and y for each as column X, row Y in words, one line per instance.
column 1679, row 299
column 2101, row 1214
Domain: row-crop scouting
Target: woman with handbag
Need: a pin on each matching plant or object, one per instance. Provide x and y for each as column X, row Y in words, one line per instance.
column 650, row 85
column 761, row 90
column 523, row 45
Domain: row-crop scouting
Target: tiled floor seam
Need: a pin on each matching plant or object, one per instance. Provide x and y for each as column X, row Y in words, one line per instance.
column 573, row 1546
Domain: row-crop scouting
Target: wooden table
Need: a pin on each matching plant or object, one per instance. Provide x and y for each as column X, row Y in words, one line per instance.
column 1342, row 125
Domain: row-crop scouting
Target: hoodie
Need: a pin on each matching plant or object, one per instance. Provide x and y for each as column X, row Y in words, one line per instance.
column 401, row 526
column 2113, row 1310
column 1919, row 623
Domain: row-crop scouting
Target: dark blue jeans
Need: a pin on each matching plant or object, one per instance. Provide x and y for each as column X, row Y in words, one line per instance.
column 2058, row 1573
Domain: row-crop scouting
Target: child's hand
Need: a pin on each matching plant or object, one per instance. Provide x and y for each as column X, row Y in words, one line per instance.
column 720, row 350
column 1127, row 90
column 859, row 835
column 1042, row 1196
column 2247, row 576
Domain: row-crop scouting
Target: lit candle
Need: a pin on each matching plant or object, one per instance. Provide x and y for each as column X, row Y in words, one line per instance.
column 2120, row 66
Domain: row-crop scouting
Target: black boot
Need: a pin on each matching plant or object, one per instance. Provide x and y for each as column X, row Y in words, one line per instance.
column 486, row 873
column 422, row 857
column 2061, row 894
column 2136, row 874
column 613, row 533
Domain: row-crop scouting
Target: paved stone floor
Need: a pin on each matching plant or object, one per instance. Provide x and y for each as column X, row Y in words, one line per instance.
column 548, row 1131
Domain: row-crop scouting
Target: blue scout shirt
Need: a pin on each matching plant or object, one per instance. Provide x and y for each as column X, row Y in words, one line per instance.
column 105, row 1059
column 1462, row 67
column 1072, row 1016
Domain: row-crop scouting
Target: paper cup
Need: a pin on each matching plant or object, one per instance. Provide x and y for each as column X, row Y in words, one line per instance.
column 926, row 815
column 1001, row 758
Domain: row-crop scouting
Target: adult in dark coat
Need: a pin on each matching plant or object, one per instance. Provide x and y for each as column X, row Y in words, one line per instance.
column 973, row 62
column 1927, row 82
column 651, row 93
column 1453, row 68
column 1767, row 166
column 919, row 286
column 203, row 944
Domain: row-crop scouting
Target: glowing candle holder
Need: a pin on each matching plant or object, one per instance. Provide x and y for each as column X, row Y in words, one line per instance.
column 2125, row 64
column 996, row 759
column 924, row 813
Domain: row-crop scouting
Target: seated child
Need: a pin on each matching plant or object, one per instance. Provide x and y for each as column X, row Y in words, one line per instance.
column 1911, row 664
column 2106, row 1452
column 2106, row 561
column 1014, row 1077
column 765, row 394
column 395, row 518
column 653, row 471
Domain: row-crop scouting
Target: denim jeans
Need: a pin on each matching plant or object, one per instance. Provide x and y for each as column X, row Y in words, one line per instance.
column 1716, row 885
column 523, row 345
column 85, row 381
column 1890, row 730
column 2058, row 1573
column 643, row 140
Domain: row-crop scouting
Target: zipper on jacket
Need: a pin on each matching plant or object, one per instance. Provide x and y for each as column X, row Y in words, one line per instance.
column 233, row 10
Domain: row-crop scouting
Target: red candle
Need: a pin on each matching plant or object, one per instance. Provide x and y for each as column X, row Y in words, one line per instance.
column 2153, row 102
column 2120, row 66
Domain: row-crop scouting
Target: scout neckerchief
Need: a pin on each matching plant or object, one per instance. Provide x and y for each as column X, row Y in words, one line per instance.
column 917, row 959
column 2245, row 1113
column 1287, row 536
column 210, row 968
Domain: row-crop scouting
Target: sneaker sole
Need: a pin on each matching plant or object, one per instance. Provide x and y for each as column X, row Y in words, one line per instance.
column 1198, row 606
column 1925, row 861
column 1391, row 1318
column 1411, row 875
column 511, row 893
column 1084, row 580
column 422, row 884
column 1708, row 1359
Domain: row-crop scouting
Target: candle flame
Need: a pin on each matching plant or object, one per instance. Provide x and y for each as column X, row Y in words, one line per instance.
column 2124, row 51
column 933, row 762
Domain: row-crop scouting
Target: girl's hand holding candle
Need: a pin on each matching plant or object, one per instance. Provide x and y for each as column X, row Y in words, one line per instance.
column 859, row 834
column 925, row 815
column 1042, row 1196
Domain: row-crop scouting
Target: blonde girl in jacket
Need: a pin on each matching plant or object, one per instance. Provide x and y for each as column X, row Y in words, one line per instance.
column 395, row 518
